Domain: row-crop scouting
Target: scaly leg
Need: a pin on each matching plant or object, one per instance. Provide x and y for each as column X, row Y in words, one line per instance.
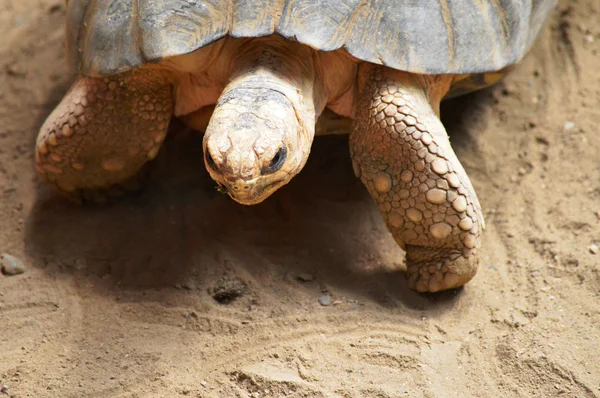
column 103, row 131
column 401, row 152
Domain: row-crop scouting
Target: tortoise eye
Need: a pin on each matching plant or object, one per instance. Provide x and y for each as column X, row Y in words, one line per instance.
column 210, row 161
column 277, row 161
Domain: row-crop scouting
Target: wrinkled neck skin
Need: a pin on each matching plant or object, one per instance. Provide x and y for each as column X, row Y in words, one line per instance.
column 284, row 66
column 261, row 131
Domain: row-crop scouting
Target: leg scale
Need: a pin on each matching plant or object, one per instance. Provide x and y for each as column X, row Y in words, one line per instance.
column 401, row 152
column 103, row 132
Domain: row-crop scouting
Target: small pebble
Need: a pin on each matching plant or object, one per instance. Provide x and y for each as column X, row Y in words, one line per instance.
column 4, row 389
column 594, row 249
column 305, row 277
column 227, row 291
column 325, row 300
column 569, row 126
column 11, row 265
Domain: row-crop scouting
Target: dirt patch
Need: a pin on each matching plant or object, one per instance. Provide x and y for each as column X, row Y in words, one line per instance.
column 178, row 291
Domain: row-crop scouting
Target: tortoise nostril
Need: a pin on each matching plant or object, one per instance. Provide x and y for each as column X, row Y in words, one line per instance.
column 277, row 161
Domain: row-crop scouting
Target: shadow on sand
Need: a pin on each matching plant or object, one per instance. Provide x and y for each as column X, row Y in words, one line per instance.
column 179, row 231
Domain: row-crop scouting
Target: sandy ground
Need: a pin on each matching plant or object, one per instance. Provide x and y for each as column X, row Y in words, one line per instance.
column 178, row 291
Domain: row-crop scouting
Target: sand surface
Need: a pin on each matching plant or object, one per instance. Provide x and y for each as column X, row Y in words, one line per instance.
column 121, row 300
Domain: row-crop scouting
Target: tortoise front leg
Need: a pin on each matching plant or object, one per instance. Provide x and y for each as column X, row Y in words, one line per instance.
column 401, row 152
column 103, row 131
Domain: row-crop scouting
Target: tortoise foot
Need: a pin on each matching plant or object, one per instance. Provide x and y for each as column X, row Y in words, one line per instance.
column 103, row 132
column 401, row 152
column 434, row 270
column 104, row 195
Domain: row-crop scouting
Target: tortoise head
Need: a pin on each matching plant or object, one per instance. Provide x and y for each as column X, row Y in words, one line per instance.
column 255, row 143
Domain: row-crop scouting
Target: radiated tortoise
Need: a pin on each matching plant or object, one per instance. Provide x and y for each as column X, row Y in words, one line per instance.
column 269, row 69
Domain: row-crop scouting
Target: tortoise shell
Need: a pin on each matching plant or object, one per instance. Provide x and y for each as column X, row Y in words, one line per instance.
column 419, row 36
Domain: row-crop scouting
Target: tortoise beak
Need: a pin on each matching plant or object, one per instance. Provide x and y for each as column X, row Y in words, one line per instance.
column 253, row 191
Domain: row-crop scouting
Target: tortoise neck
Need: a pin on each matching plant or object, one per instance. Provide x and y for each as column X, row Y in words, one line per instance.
column 284, row 66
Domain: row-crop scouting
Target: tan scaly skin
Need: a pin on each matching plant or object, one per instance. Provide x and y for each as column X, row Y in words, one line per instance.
column 267, row 94
column 401, row 152
column 103, row 131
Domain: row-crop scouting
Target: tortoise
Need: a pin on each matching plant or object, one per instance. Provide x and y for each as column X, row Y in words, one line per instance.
column 258, row 74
